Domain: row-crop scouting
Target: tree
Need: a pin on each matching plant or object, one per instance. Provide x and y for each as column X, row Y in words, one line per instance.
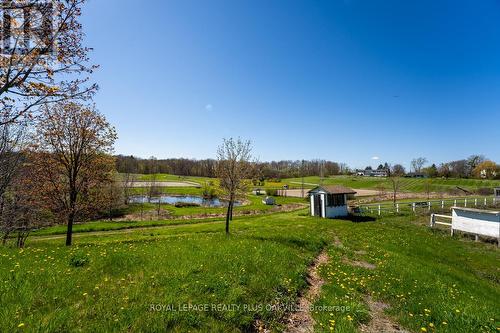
column 431, row 171
column 444, row 170
column 21, row 210
column 394, row 177
column 418, row 163
column 11, row 142
column 43, row 60
column 398, row 170
column 486, row 169
column 473, row 161
column 70, row 153
column 233, row 170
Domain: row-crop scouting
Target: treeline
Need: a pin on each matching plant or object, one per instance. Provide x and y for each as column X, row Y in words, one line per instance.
column 206, row 167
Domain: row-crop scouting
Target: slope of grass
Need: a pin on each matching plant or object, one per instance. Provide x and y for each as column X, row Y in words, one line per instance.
column 150, row 281
column 194, row 278
column 432, row 282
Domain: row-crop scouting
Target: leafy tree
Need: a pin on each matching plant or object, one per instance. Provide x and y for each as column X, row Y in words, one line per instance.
column 70, row 154
column 486, row 169
column 47, row 70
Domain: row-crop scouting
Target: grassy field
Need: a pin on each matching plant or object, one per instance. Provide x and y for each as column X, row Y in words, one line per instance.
column 135, row 279
column 407, row 184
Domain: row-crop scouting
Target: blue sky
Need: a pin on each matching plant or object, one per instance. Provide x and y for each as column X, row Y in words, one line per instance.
column 340, row 80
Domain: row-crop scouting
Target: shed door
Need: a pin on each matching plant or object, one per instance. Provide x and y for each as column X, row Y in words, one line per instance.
column 317, row 206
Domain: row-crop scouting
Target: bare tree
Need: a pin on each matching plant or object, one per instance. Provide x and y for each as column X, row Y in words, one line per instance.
column 233, row 170
column 394, row 177
column 43, row 59
column 10, row 154
column 397, row 170
column 21, row 211
column 70, row 153
column 418, row 163
column 129, row 177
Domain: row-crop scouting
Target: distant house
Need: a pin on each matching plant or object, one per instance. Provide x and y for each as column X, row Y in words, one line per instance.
column 329, row 201
column 497, row 192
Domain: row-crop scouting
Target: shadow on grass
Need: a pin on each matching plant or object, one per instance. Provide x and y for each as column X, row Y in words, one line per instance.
column 359, row 218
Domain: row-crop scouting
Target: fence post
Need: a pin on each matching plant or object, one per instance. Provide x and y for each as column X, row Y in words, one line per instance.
column 413, row 206
column 475, row 202
column 378, row 209
column 465, row 202
column 455, row 203
column 442, row 204
column 432, row 221
column 485, row 202
column 397, row 208
column 429, row 203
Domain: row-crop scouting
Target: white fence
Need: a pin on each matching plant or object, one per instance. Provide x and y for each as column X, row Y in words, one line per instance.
column 427, row 206
column 478, row 222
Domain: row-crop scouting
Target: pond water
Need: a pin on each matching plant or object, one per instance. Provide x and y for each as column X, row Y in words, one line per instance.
column 190, row 199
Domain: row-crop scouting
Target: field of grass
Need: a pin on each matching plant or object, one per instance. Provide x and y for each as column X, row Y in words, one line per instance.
column 407, row 184
column 134, row 280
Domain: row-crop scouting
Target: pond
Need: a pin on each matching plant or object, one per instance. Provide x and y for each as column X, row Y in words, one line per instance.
column 187, row 199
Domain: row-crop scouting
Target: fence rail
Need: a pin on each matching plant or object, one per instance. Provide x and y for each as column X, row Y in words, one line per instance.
column 428, row 206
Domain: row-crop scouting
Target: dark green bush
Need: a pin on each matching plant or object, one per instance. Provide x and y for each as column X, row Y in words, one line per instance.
column 78, row 260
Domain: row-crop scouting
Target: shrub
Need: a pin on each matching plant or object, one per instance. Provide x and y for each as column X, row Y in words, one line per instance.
column 78, row 260
column 272, row 192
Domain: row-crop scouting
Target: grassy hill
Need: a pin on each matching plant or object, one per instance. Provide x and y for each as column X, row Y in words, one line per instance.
column 160, row 279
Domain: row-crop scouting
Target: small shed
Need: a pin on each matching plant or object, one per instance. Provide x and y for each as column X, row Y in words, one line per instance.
column 329, row 201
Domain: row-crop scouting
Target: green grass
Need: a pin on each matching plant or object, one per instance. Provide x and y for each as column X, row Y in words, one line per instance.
column 407, row 184
column 164, row 177
column 429, row 279
column 126, row 274
column 424, row 275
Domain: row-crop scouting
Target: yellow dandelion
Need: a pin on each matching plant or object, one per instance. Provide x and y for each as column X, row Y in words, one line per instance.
column 20, row 325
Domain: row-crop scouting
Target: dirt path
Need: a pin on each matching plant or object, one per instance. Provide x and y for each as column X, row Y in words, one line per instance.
column 380, row 322
column 302, row 321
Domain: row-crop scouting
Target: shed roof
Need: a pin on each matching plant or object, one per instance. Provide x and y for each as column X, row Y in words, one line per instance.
column 334, row 189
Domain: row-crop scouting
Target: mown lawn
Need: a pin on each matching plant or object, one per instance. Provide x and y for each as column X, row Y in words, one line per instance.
column 132, row 281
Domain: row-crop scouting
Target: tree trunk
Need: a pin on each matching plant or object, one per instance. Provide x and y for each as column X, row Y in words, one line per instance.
column 231, row 211
column 69, row 232
column 228, row 217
